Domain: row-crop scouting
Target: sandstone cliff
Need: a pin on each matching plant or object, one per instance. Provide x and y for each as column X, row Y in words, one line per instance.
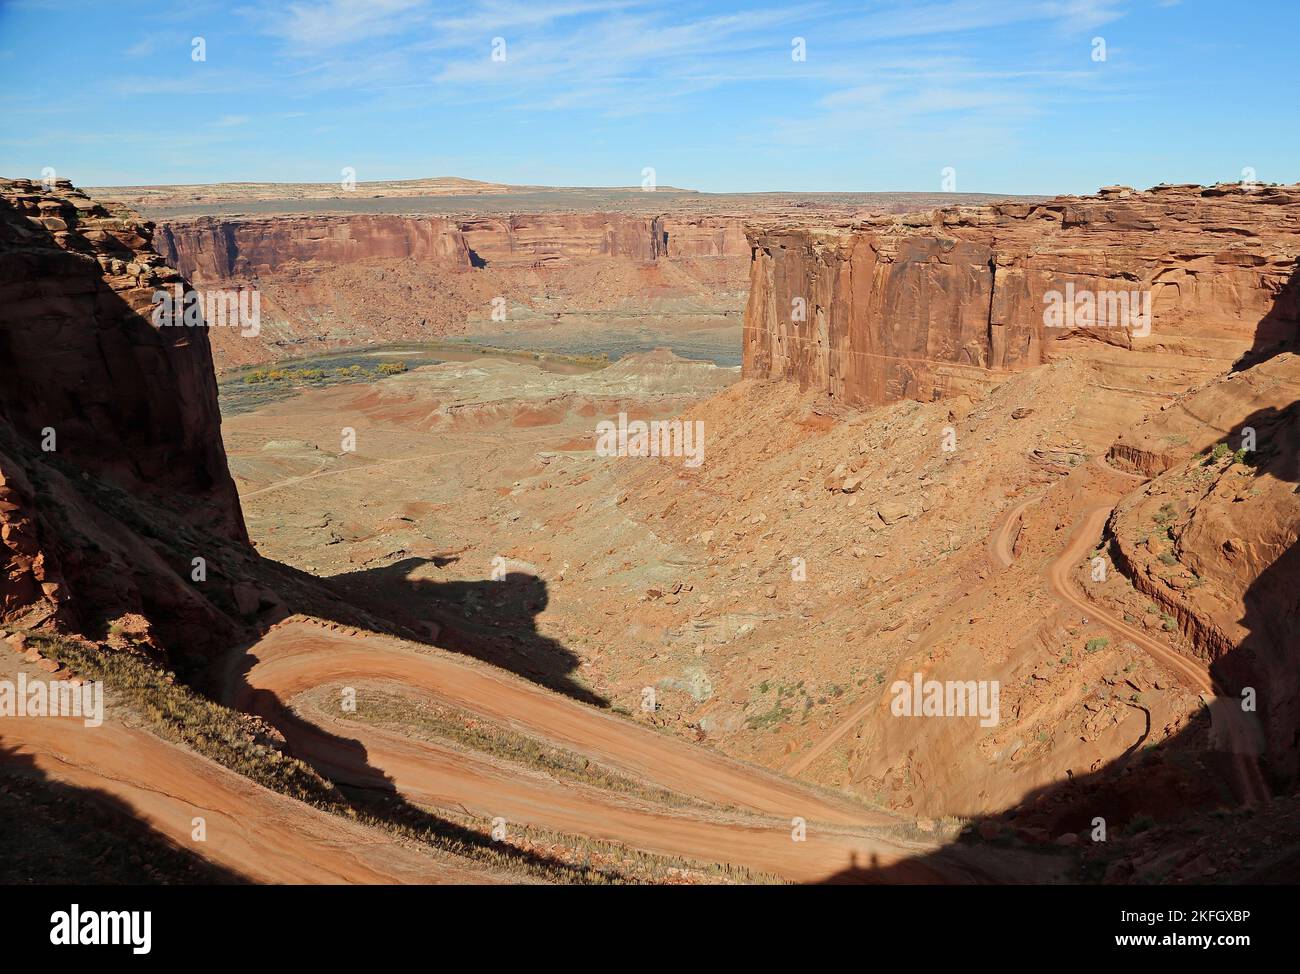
column 110, row 436
column 920, row 306
column 212, row 249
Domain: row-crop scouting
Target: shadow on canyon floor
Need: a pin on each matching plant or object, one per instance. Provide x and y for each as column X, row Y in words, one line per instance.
column 369, row 790
column 502, row 632
column 494, row 621
column 53, row 833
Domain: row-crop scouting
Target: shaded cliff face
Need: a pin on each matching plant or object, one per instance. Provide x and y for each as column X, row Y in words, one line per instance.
column 924, row 306
column 374, row 278
column 104, row 418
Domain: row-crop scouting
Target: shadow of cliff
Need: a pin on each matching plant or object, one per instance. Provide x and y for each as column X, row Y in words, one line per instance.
column 1271, row 604
column 493, row 621
column 1279, row 330
column 52, row 833
column 371, row 792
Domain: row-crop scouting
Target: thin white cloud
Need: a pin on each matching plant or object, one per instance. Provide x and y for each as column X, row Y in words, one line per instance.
column 310, row 27
column 912, row 20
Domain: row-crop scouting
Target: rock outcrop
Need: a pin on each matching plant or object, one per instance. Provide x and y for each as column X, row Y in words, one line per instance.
column 922, row 306
column 113, row 476
column 211, row 251
column 83, row 371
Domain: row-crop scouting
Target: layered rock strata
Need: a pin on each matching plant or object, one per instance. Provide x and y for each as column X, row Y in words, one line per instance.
column 924, row 305
column 113, row 477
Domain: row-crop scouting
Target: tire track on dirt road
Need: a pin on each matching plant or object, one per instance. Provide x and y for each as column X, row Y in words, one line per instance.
column 1253, row 787
column 300, row 655
column 263, row 836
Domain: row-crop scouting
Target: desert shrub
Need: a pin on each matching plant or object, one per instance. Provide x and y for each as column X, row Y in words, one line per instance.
column 1140, row 823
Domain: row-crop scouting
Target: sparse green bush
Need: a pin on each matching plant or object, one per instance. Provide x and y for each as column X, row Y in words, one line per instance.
column 1220, row 451
column 1140, row 823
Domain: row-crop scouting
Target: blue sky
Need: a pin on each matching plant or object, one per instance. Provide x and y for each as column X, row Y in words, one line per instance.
column 1008, row 93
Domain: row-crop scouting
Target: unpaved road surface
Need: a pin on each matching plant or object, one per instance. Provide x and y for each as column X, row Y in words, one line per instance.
column 262, row 836
column 1002, row 541
column 1087, row 531
column 1251, row 785
column 752, row 828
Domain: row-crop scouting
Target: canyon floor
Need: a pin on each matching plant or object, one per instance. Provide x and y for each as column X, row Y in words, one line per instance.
column 764, row 601
column 471, row 643
column 534, row 596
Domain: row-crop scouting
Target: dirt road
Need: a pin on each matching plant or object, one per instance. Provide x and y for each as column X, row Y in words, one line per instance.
column 1252, row 787
column 262, row 836
column 1001, row 545
column 1089, row 524
column 1002, row 541
column 302, row 654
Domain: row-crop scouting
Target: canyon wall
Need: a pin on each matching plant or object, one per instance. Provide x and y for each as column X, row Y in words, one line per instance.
column 104, row 418
column 130, row 403
column 921, row 306
column 212, row 249
column 327, row 281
